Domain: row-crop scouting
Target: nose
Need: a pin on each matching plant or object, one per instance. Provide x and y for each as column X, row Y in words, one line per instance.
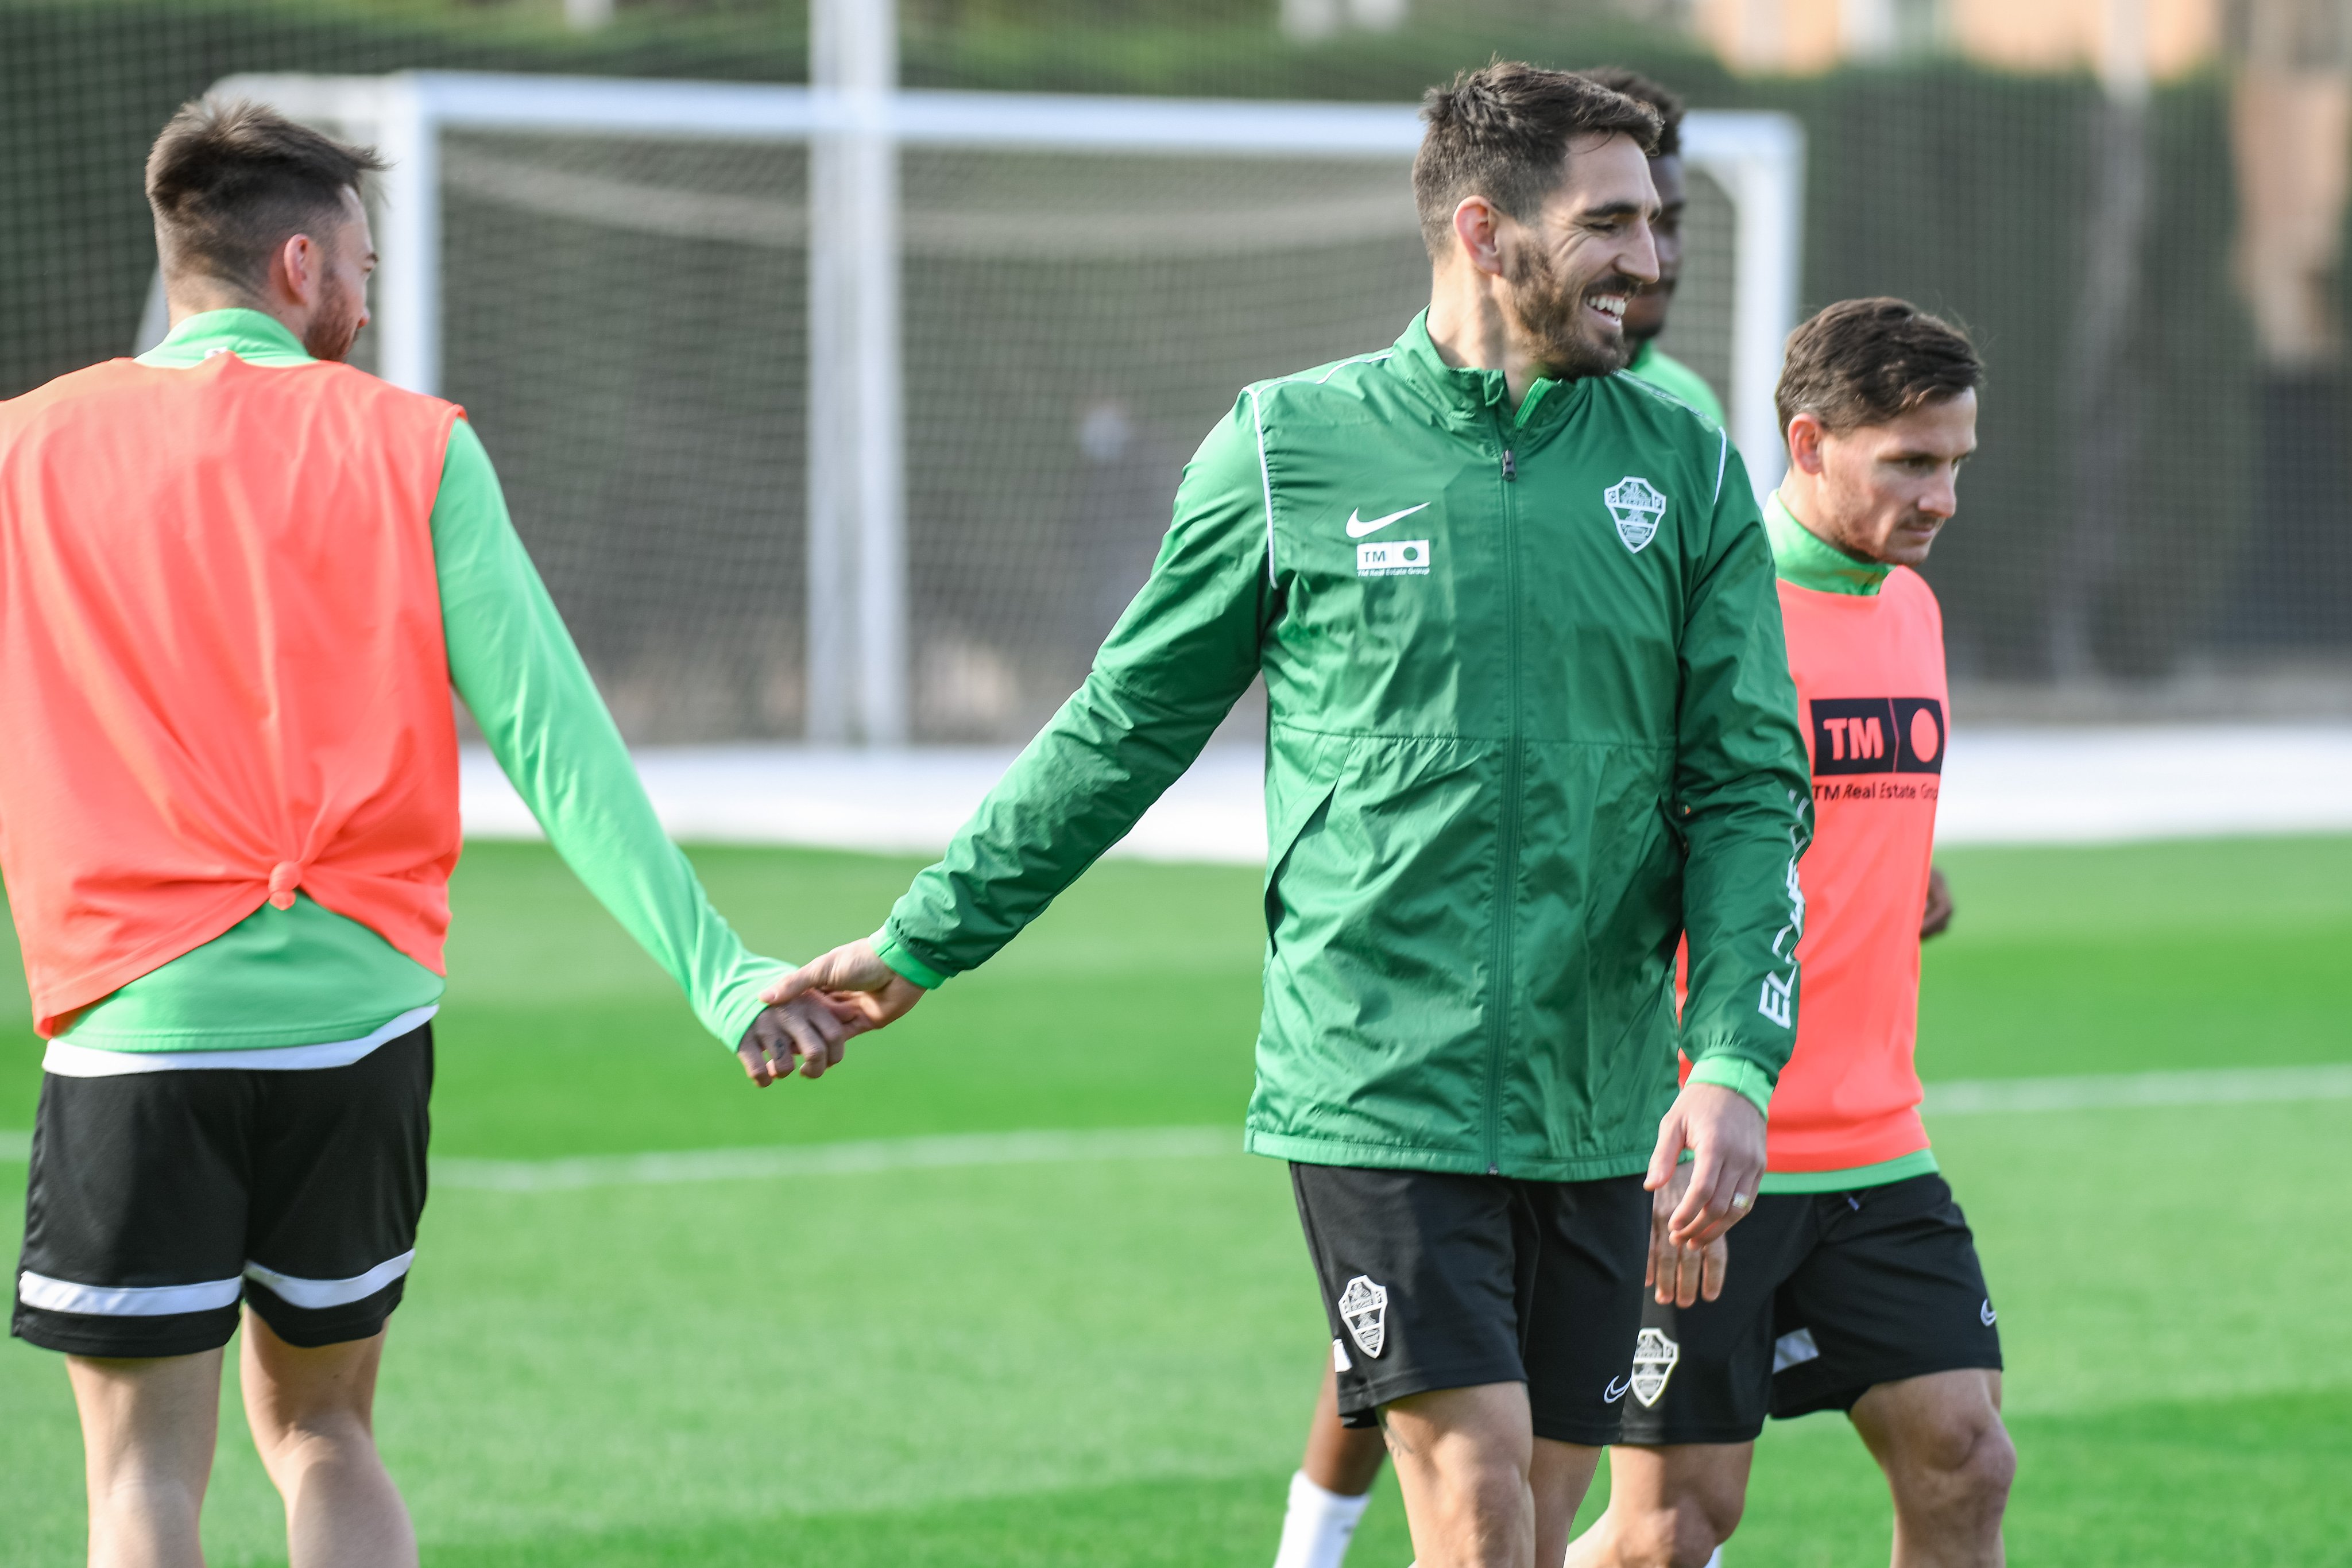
column 1943, row 496
column 1641, row 258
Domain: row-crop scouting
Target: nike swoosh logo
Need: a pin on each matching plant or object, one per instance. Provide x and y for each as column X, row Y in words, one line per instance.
column 1616, row 1390
column 1357, row 529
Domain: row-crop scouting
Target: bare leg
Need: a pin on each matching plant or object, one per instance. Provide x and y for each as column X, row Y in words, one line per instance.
column 1342, row 1459
column 1481, row 1491
column 148, row 1428
column 313, row 1418
column 1948, row 1461
column 1560, row 1475
column 1668, row 1507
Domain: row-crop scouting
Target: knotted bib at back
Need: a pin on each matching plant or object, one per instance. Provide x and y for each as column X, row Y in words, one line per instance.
column 222, row 673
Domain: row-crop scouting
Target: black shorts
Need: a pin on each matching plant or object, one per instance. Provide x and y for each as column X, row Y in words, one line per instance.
column 157, row 1200
column 1433, row 1281
column 1825, row 1296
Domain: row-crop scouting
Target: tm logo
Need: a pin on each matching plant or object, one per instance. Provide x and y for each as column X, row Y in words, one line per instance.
column 1877, row 735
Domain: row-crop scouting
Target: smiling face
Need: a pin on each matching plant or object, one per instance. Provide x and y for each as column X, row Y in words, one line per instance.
column 1576, row 267
column 1882, row 492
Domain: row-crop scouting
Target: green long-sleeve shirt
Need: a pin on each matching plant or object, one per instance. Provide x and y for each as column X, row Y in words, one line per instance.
column 304, row 975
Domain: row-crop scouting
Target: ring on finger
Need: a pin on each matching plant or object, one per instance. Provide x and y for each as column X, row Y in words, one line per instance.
column 1739, row 1200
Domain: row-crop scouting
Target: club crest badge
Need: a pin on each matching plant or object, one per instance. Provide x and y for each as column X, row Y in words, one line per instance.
column 1653, row 1362
column 1364, row 1308
column 1636, row 505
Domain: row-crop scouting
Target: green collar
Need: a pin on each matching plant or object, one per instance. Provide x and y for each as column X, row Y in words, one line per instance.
column 1482, row 395
column 251, row 336
column 1803, row 558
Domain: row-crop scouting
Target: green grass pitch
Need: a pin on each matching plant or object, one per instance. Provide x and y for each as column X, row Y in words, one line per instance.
column 1110, row 1363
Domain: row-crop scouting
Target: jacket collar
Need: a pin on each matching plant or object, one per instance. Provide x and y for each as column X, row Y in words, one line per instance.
column 251, row 336
column 1805, row 559
column 1484, row 397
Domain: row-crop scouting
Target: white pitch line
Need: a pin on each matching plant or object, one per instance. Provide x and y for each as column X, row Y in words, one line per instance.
column 1962, row 1097
column 2214, row 1086
column 939, row 1152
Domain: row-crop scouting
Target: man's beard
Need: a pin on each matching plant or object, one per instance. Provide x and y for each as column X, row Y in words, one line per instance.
column 1550, row 313
column 334, row 327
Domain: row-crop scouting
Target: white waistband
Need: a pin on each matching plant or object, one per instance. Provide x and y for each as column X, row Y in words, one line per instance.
column 69, row 1060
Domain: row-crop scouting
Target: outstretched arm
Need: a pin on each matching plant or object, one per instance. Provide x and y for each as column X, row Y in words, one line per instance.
column 515, row 665
column 1184, row 652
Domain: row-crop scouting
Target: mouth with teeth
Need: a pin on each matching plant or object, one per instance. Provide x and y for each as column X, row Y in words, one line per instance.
column 1609, row 306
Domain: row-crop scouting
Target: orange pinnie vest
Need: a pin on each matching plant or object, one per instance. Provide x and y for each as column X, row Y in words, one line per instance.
column 1871, row 695
column 222, row 670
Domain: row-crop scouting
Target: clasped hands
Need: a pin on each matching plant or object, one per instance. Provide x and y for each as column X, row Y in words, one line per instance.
column 815, row 1011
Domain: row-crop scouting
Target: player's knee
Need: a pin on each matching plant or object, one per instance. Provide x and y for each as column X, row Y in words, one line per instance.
column 1968, row 1468
column 1702, row 1523
column 1682, row 1534
column 301, row 1439
column 1991, row 1468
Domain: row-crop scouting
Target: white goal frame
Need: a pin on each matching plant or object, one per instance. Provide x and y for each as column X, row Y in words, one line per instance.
column 857, row 678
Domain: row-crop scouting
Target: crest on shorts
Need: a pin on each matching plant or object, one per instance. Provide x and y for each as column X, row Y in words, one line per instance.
column 1636, row 505
column 1653, row 1362
column 1364, row 1308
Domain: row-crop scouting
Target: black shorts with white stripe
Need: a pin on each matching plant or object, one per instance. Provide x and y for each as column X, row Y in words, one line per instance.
column 157, row 1201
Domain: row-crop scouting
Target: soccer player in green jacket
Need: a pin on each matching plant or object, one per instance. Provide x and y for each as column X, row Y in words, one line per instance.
column 1335, row 1476
column 1530, row 718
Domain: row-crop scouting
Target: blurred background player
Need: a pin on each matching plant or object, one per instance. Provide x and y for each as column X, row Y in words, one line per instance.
column 1856, row 1286
column 1645, row 317
column 1468, row 762
column 1334, row 1481
column 237, row 581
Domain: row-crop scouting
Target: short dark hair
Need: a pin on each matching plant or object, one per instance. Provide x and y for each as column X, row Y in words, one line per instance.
column 1502, row 132
column 1866, row 361
column 1667, row 103
column 231, row 180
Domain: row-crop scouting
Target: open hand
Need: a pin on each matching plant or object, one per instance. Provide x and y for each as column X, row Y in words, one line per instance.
column 1724, row 1132
column 1681, row 1275
column 851, row 976
column 810, row 1029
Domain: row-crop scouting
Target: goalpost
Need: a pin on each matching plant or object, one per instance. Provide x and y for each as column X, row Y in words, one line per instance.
column 1089, row 279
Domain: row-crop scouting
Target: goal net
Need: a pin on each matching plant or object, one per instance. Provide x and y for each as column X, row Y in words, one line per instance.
column 615, row 279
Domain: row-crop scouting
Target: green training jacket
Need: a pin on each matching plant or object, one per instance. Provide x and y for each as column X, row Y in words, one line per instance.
column 1529, row 719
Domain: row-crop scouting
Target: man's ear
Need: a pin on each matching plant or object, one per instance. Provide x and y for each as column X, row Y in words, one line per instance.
column 1805, row 436
column 1477, row 229
column 295, row 270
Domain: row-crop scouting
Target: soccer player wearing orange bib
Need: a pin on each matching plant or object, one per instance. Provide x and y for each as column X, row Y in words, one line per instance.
column 1854, row 1285
column 238, row 582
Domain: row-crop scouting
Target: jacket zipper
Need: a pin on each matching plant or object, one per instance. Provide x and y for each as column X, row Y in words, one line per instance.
column 1507, row 901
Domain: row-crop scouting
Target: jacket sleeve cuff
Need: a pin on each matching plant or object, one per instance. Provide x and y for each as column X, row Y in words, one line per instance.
column 893, row 952
column 1739, row 1075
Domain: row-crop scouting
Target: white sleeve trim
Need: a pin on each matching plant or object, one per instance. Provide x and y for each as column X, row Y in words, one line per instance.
column 69, row 1060
column 1266, row 476
column 1722, row 461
